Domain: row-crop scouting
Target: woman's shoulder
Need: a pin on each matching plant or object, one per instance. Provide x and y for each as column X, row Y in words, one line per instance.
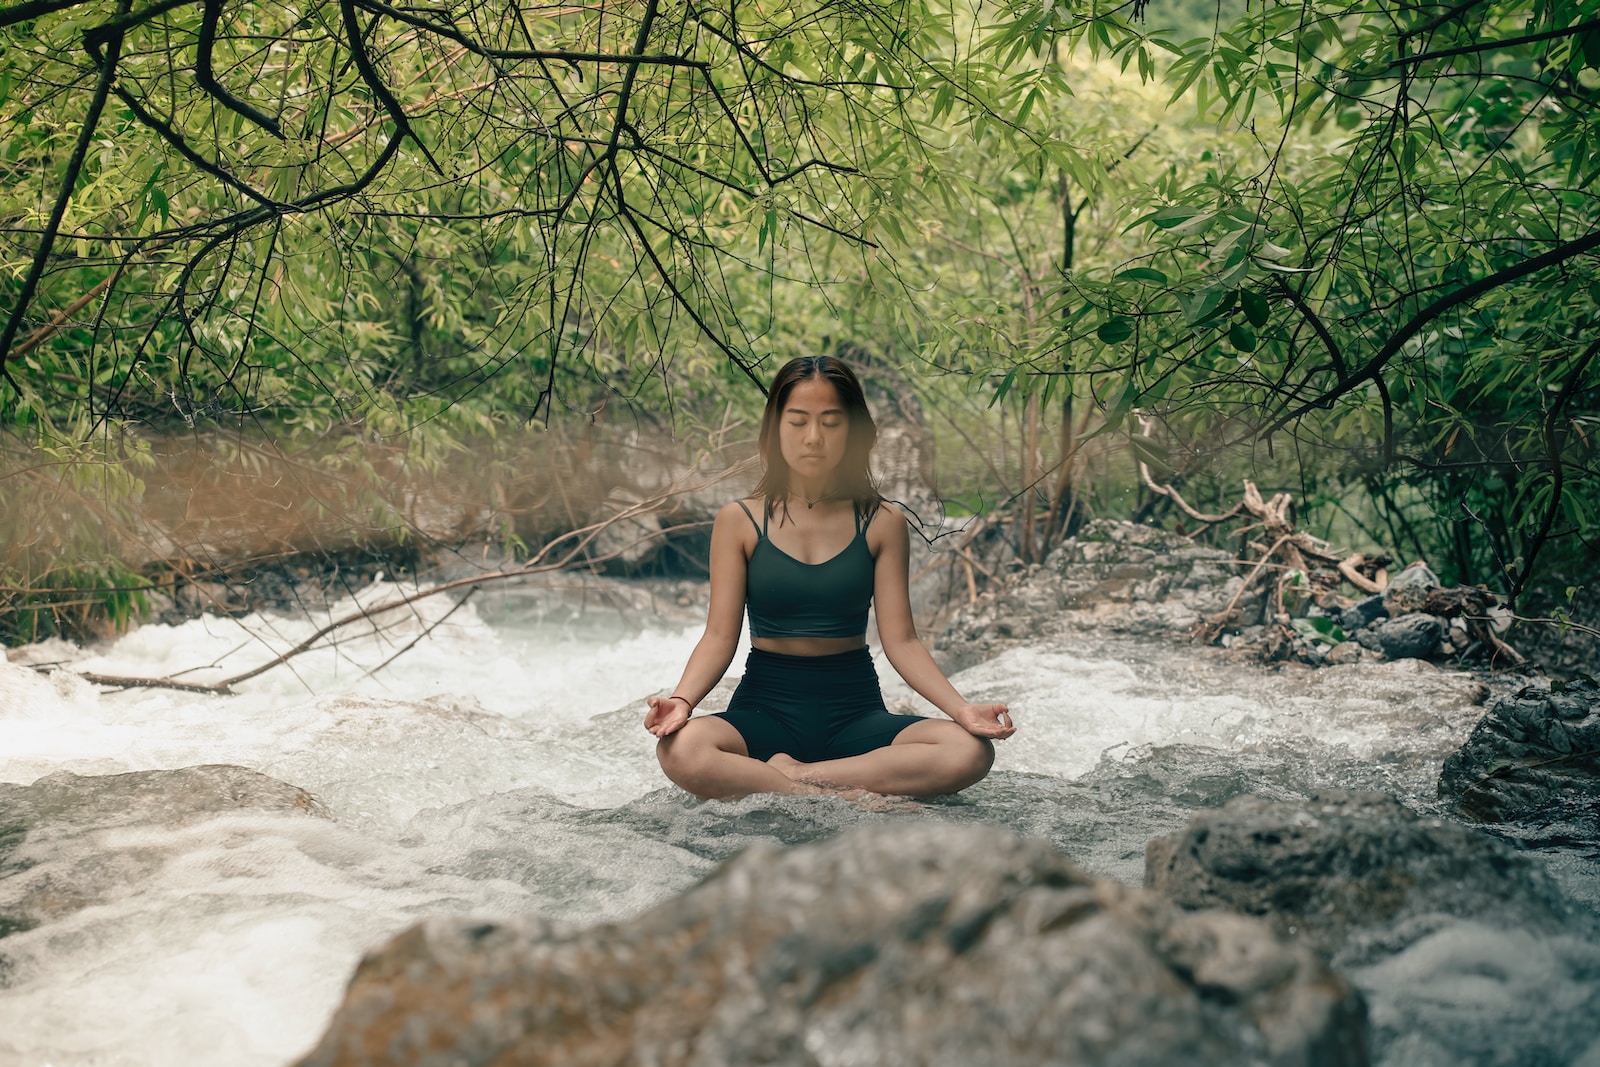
column 886, row 521
column 746, row 510
column 885, row 512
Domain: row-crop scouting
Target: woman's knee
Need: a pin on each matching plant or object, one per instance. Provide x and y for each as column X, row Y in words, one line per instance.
column 686, row 756
column 971, row 759
column 681, row 757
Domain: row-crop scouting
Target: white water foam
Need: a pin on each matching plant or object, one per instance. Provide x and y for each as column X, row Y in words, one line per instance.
column 500, row 766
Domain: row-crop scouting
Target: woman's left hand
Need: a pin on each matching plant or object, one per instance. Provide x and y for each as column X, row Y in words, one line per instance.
column 985, row 720
column 666, row 715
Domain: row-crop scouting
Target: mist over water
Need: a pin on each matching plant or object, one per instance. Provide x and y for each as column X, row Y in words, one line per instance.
column 500, row 767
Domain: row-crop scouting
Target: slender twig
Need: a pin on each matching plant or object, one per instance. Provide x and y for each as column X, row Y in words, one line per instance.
column 1552, row 444
column 440, row 621
column 573, row 546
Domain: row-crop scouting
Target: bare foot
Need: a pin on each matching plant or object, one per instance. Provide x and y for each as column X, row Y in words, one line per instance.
column 789, row 766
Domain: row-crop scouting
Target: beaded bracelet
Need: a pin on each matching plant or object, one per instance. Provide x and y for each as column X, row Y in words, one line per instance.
column 687, row 702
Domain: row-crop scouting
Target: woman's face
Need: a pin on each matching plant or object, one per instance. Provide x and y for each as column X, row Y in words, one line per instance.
column 813, row 430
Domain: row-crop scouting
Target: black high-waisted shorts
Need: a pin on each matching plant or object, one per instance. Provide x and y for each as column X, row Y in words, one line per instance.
column 812, row 707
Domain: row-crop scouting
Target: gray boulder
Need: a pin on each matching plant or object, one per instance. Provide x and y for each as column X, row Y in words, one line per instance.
column 1340, row 862
column 1534, row 759
column 1413, row 636
column 1363, row 613
column 893, row 944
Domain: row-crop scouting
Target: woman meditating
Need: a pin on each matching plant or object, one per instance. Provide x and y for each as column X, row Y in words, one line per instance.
column 806, row 554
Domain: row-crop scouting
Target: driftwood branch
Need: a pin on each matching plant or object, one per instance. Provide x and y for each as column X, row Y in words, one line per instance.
column 1145, row 425
column 569, row 549
column 1348, row 568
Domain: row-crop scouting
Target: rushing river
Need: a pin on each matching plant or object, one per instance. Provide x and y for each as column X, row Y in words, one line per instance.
column 500, row 767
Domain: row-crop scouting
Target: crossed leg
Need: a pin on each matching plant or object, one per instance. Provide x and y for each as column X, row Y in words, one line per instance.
column 927, row 759
column 708, row 758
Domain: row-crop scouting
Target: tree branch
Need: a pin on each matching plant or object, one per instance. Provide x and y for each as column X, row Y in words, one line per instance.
column 1465, row 294
column 209, row 15
column 32, row 9
column 369, row 75
column 69, row 184
column 176, row 140
column 560, row 55
column 1489, row 46
column 1552, row 444
column 1317, row 326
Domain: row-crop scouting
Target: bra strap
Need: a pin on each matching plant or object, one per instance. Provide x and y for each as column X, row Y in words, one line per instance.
column 759, row 529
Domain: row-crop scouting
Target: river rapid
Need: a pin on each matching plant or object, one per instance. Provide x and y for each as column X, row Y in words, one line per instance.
column 500, row 767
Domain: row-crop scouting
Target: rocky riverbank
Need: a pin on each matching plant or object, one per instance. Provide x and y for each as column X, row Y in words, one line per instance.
column 1141, row 580
column 935, row 944
column 1289, row 912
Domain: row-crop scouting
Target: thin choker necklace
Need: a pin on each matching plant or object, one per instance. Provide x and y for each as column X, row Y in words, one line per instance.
column 809, row 502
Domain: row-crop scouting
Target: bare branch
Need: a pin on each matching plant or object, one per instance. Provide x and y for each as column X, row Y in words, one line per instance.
column 69, row 183
column 1489, row 46
column 1410, row 329
column 203, row 75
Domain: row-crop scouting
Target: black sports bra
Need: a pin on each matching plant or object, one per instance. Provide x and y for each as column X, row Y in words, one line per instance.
column 788, row 598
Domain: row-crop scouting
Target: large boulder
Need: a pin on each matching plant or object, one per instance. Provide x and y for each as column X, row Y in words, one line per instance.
column 1412, row 636
column 1341, row 861
column 1534, row 759
column 892, row 944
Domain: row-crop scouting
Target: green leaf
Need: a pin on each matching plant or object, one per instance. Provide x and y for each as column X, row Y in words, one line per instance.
column 1142, row 274
column 1126, row 397
column 1004, row 387
column 1114, row 331
column 1320, row 629
column 769, row 226
column 1242, row 337
column 1256, row 308
column 1590, row 47
column 1027, row 106
column 1152, row 452
column 1169, row 217
column 1198, row 307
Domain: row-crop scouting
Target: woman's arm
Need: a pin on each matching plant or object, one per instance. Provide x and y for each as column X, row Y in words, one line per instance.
column 712, row 654
column 897, row 632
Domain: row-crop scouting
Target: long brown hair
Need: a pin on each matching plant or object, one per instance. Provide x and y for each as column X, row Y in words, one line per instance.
column 854, row 475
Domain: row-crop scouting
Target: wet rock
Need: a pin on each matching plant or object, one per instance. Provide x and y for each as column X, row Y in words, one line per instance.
column 1124, row 563
column 1341, row 861
column 928, row 944
column 1363, row 613
column 209, row 598
column 44, row 870
column 1345, row 652
column 1534, row 759
column 1413, row 636
column 1408, row 591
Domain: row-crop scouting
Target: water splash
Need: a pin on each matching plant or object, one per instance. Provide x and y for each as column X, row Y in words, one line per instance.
column 500, row 767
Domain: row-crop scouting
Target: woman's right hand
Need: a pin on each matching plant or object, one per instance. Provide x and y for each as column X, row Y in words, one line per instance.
column 666, row 715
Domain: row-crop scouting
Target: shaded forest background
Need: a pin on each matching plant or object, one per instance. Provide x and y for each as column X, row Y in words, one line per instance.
column 1345, row 249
